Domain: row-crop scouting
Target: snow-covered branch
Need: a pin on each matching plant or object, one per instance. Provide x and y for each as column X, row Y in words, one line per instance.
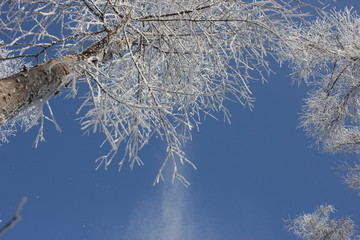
column 326, row 53
column 151, row 68
column 318, row 225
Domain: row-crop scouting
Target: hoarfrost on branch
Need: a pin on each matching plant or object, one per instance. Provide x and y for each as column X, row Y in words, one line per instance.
column 326, row 53
column 151, row 68
column 318, row 225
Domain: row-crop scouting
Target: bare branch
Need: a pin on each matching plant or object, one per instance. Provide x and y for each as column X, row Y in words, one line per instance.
column 15, row 219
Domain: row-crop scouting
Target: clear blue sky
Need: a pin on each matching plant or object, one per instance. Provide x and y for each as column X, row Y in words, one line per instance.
column 251, row 175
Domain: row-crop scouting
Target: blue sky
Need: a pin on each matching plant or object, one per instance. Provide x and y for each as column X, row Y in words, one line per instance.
column 251, row 176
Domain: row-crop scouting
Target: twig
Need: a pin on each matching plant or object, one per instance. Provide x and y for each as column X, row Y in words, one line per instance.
column 16, row 218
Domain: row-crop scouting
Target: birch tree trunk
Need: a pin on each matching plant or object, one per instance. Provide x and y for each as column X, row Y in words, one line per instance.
column 39, row 83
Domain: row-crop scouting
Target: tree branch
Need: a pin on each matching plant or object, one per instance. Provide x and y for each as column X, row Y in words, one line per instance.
column 16, row 218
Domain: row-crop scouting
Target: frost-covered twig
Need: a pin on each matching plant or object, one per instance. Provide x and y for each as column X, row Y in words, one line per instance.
column 148, row 68
column 319, row 226
column 326, row 53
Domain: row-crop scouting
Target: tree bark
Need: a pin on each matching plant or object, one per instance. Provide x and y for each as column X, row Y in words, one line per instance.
column 19, row 91
column 39, row 83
